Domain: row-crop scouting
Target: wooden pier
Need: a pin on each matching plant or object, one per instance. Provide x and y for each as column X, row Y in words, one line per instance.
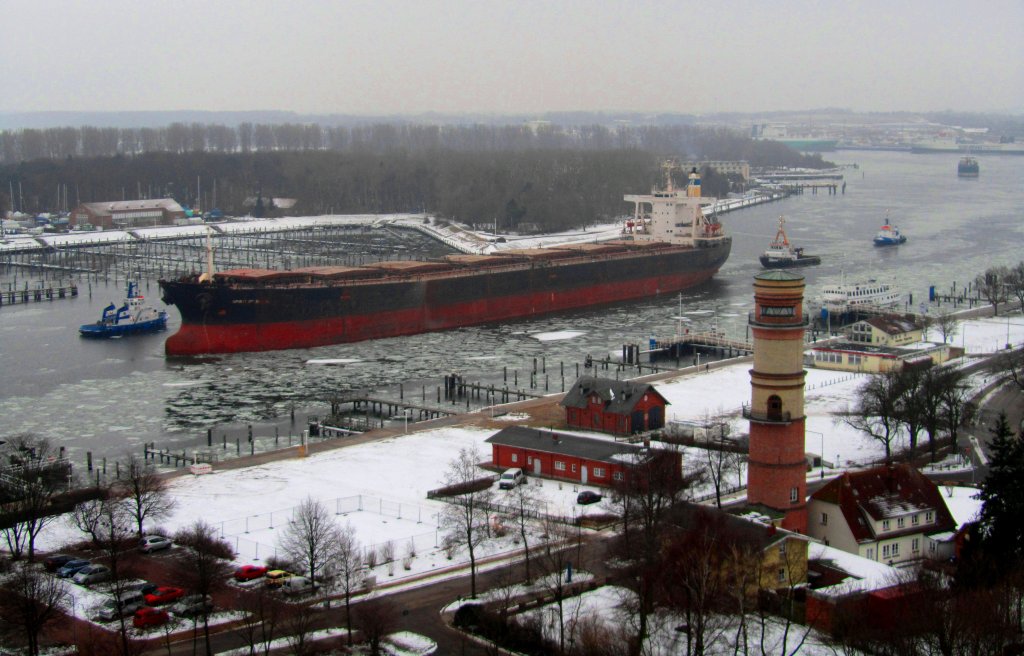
column 26, row 295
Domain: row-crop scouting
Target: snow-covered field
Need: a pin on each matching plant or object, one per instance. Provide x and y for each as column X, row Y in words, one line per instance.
column 379, row 489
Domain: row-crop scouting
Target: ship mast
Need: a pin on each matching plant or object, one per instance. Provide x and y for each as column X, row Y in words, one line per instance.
column 207, row 276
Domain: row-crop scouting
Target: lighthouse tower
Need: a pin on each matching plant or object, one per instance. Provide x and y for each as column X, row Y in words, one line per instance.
column 776, row 477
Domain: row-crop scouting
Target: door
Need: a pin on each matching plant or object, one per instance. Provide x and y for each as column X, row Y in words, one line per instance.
column 583, row 474
column 536, row 466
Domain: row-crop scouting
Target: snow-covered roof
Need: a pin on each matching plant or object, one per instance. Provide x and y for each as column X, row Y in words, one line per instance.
column 864, row 575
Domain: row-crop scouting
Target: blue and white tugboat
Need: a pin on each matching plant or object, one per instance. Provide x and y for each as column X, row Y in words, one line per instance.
column 889, row 235
column 131, row 318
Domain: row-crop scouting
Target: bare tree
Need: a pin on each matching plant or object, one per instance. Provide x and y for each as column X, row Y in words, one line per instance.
column 31, row 600
column 298, row 625
column 349, row 565
column 651, row 485
column 556, row 556
column 876, row 412
column 523, row 502
column 115, row 532
column 465, row 516
column 376, row 618
column 1015, row 283
column 88, row 516
column 34, row 481
column 947, row 324
column 992, row 285
column 1010, row 363
column 310, row 538
column 202, row 567
column 261, row 618
column 146, row 490
column 721, row 462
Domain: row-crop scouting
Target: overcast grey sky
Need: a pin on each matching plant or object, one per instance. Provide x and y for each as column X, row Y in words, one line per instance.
column 388, row 56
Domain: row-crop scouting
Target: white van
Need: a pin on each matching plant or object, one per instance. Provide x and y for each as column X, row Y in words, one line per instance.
column 511, row 478
column 296, row 585
column 112, row 608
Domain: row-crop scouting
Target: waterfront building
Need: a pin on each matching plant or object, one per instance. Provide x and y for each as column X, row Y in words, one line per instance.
column 122, row 214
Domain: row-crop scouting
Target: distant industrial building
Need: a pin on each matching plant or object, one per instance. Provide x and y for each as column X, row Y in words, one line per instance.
column 123, row 214
column 739, row 167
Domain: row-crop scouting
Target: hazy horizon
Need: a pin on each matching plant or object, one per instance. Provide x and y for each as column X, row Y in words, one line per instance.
column 495, row 57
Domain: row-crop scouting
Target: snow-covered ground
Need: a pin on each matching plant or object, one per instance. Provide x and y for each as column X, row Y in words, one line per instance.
column 380, row 488
column 608, row 606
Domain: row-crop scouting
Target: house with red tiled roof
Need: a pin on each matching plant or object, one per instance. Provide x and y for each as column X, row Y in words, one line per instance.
column 890, row 514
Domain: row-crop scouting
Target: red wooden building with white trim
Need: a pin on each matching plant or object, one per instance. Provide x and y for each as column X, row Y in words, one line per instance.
column 589, row 460
column 619, row 407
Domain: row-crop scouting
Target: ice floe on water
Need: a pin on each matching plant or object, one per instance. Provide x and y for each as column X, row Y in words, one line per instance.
column 333, row 361
column 558, row 335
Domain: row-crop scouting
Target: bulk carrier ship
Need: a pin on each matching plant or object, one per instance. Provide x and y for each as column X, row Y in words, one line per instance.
column 667, row 245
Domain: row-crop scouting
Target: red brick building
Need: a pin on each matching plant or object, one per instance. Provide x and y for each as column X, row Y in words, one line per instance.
column 618, row 407
column 122, row 214
column 589, row 460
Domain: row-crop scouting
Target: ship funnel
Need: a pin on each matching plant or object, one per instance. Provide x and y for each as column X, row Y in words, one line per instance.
column 693, row 188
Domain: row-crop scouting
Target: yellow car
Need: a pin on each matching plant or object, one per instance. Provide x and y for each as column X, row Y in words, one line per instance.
column 277, row 577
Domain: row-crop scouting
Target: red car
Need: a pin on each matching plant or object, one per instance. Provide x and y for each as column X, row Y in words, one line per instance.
column 146, row 616
column 165, row 594
column 249, row 572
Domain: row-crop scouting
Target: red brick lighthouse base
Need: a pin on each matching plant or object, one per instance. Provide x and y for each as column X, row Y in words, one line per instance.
column 776, row 478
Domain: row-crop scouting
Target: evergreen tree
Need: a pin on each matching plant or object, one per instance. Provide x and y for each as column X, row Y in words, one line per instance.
column 1002, row 496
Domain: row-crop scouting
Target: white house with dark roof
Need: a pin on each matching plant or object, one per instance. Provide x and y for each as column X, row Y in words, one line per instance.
column 891, row 514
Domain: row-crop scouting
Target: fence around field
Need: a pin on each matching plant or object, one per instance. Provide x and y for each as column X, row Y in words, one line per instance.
column 238, row 532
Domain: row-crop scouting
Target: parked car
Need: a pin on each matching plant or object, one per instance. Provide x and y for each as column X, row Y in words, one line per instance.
column 165, row 594
column 56, row 561
column 192, row 605
column 71, row 568
column 511, row 478
column 142, row 587
column 586, row 496
column 277, row 577
column 249, row 572
column 113, row 608
column 147, row 616
column 296, row 585
column 91, row 574
column 152, row 543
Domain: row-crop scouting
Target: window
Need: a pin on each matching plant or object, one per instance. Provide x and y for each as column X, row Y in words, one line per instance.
column 915, row 519
column 782, row 548
column 931, row 547
column 782, row 575
column 870, row 554
column 598, row 472
column 885, row 551
column 928, row 517
column 915, row 546
column 515, row 457
column 559, row 465
column 824, row 519
column 896, row 550
column 529, row 460
column 574, row 467
column 885, row 524
column 899, row 522
column 617, row 476
column 794, row 494
column 774, row 407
